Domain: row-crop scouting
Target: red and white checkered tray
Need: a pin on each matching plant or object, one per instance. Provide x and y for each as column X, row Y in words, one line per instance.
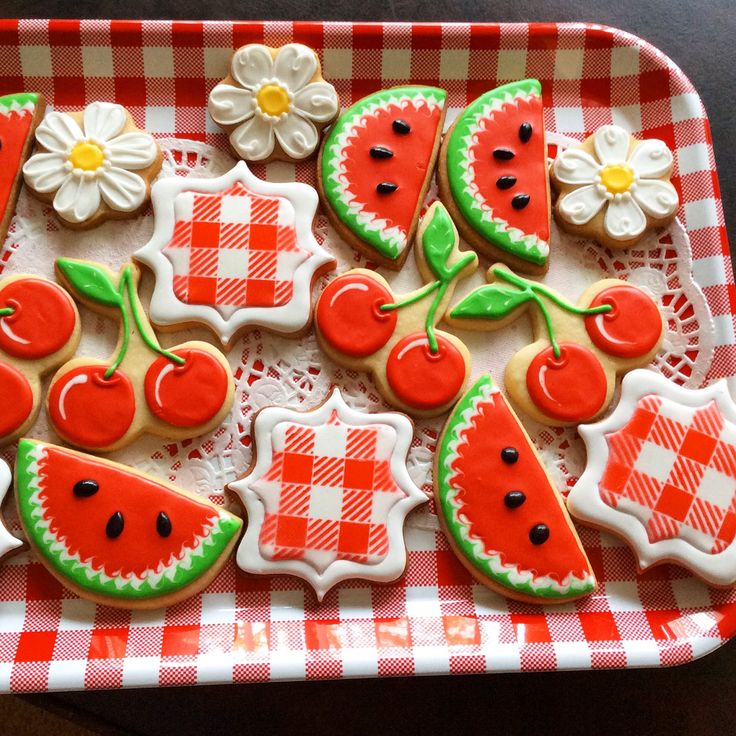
column 433, row 620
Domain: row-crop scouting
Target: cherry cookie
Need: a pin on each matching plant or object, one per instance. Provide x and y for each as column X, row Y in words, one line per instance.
column 20, row 115
column 39, row 330
column 8, row 543
column 362, row 325
column 327, row 494
column 499, row 508
column 105, row 404
column 234, row 253
column 661, row 473
column 117, row 536
column 92, row 165
column 568, row 374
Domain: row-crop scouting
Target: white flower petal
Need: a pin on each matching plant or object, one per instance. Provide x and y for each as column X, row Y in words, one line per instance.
column 581, row 205
column 611, row 144
column 45, row 172
column 77, row 199
column 624, row 219
column 104, row 120
column 297, row 136
column 253, row 140
column 122, row 190
column 230, row 105
column 317, row 101
column 251, row 65
column 574, row 166
column 657, row 198
column 651, row 159
column 295, row 65
column 58, row 132
column 132, row 150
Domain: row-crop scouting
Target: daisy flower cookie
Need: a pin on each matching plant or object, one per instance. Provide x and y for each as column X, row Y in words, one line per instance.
column 614, row 187
column 92, row 165
column 274, row 103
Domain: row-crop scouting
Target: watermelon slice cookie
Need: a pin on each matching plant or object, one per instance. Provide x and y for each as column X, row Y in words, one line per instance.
column 20, row 114
column 493, row 176
column 375, row 167
column 117, row 536
column 502, row 515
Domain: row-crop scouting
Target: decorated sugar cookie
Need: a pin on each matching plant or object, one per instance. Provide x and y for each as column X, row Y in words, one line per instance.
column 661, row 473
column 568, row 374
column 105, row 404
column 20, row 115
column 362, row 325
column 613, row 187
column 8, row 542
column 327, row 495
column 92, row 165
column 117, row 536
column 493, row 176
column 234, row 253
column 376, row 165
column 274, row 103
column 39, row 330
column 498, row 506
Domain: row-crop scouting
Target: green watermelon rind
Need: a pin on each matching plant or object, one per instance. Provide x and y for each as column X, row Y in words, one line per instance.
column 368, row 226
column 18, row 101
column 179, row 575
column 479, row 214
column 489, row 564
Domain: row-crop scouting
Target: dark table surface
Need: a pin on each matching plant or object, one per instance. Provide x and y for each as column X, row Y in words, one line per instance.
column 700, row 698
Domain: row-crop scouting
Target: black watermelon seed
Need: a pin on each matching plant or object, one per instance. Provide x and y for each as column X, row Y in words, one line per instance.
column 386, row 187
column 525, row 132
column 505, row 182
column 115, row 525
column 86, row 488
column 539, row 534
column 163, row 524
column 514, row 499
column 401, row 127
column 520, row 201
column 381, row 152
column 503, row 154
column 509, row 455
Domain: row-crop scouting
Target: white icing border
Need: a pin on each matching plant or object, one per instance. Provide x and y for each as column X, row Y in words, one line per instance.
column 7, row 541
column 167, row 310
column 584, row 500
column 249, row 557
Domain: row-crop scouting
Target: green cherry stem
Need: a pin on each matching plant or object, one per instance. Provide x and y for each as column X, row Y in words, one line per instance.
column 6, row 311
column 548, row 323
column 431, row 312
column 428, row 289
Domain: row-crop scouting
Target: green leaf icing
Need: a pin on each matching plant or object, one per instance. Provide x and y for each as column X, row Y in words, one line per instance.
column 438, row 240
column 490, row 302
column 90, row 282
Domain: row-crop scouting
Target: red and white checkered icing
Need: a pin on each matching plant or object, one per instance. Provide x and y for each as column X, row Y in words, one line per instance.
column 678, row 478
column 435, row 619
column 234, row 249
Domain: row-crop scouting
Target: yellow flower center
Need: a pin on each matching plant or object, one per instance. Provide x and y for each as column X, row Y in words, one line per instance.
column 86, row 156
column 273, row 99
column 617, row 178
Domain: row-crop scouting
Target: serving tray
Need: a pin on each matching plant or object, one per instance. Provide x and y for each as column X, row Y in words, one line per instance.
column 434, row 620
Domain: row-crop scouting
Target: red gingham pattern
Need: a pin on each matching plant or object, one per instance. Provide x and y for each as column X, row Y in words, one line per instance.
column 234, row 249
column 435, row 619
column 328, row 491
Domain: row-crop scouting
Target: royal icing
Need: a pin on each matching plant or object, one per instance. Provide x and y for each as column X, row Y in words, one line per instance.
column 328, row 495
column 568, row 374
column 233, row 252
column 95, row 404
column 661, row 472
column 503, row 517
column 376, row 162
column 361, row 324
column 626, row 178
column 114, row 533
column 273, row 100
column 90, row 164
column 8, row 542
column 496, row 161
